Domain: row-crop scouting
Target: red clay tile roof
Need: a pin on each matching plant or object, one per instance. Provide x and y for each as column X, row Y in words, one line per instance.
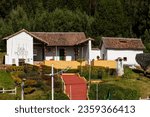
column 56, row 38
column 23, row 30
column 61, row 38
column 122, row 43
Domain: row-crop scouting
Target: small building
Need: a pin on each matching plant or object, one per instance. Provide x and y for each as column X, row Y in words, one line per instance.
column 39, row 46
column 125, row 48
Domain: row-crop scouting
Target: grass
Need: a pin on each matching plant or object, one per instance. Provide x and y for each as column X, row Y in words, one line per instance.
column 42, row 88
column 6, row 81
column 6, row 96
column 142, row 85
column 130, row 80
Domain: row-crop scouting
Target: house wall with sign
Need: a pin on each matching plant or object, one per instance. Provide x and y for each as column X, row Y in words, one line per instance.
column 19, row 46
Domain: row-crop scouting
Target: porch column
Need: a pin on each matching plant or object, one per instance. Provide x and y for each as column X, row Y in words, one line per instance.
column 56, row 57
column 82, row 52
column 44, row 51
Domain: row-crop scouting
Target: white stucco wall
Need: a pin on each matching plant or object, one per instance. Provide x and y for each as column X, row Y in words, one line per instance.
column 19, row 46
column 130, row 54
column 103, row 53
column 94, row 53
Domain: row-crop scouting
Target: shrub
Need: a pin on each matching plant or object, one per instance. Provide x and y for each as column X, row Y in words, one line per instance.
column 22, row 75
column 36, row 95
column 31, row 70
column 113, row 92
column 29, row 90
column 61, row 96
column 14, row 68
column 58, row 83
column 45, row 69
column 17, row 80
column 30, row 83
column 40, row 85
column 96, row 72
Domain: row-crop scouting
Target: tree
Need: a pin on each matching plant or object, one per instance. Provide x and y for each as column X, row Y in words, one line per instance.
column 42, row 22
column 18, row 19
column 110, row 19
column 5, row 29
column 146, row 40
column 143, row 60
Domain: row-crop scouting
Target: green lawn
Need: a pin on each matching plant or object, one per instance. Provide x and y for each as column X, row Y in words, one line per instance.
column 142, row 85
column 35, row 89
column 130, row 86
column 6, row 81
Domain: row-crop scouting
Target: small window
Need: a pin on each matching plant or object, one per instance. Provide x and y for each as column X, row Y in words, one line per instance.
column 125, row 58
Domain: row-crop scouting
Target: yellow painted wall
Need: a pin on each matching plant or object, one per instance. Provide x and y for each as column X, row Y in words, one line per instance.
column 104, row 63
column 64, row 64
column 75, row 64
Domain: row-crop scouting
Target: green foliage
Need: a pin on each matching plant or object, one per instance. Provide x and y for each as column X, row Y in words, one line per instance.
column 30, row 83
column 18, row 19
column 15, row 68
column 17, row 81
column 5, row 96
column 146, row 38
column 5, row 80
column 96, row 71
column 29, row 90
column 115, row 92
column 31, row 70
column 36, row 95
column 58, row 96
column 110, row 19
column 125, row 18
column 128, row 73
column 61, row 96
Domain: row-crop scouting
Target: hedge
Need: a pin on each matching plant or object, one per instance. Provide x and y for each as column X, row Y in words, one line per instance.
column 97, row 72
column 113, row 92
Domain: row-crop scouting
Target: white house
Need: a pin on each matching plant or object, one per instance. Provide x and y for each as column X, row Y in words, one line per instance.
column 38, row 46
column 125, row 48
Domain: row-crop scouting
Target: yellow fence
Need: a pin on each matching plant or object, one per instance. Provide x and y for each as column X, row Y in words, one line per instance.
column 64, row 64
column 105, row 63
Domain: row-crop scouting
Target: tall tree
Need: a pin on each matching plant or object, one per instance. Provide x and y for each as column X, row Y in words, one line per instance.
column 110, row 19
column 18, row 19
